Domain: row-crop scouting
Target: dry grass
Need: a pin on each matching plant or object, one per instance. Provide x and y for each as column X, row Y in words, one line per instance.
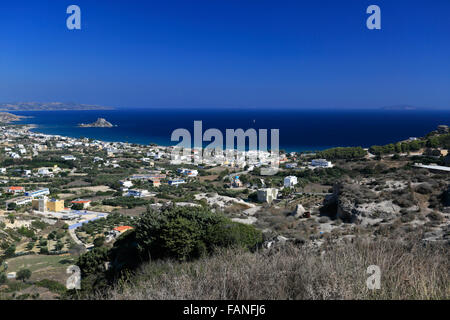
column 412, row 271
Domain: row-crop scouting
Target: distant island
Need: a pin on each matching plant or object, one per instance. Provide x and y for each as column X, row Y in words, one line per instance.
column 407, row 107
column 100, row 123
column 400, row 107
column 49, row 106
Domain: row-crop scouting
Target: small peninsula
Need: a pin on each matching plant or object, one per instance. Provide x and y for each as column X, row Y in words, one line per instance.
column 100, row 123
column 6, row 117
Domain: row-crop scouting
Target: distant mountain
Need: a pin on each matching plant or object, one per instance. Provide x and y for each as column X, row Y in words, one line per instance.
column 410, row 107
column 48, row 106
column 401, row 107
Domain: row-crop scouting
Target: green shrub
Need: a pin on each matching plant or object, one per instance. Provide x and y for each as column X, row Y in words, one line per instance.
column 232, row 234
column 51, row 285
column 183, row 233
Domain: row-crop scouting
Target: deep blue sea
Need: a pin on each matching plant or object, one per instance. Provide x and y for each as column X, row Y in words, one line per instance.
column 300, row 130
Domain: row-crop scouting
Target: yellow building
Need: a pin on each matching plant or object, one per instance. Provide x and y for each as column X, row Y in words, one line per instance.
column 55, row 205
column 43, row 205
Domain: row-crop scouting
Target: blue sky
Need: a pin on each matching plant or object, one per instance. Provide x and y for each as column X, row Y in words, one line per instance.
column 227, row 53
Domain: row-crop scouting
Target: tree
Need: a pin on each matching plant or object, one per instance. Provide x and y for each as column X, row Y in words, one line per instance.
column 77, row 206
column 59, row 245
column 2, row 278
column 10, row 251
column 186, row 233
column 23, row 274
column 99, row 241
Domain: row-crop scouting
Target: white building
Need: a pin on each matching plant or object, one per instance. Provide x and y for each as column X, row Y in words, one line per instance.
column 38, row 193
column 290, row 181
column 126, row 184
column 188, row 172
column 68, row 157
column 44, row 172
column 19, row 201
column 138, row 193
column 176, row 182
column 321, row 163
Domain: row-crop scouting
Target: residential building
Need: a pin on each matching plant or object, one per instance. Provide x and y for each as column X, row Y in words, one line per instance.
column 19, row 201
column 290, row 181
column 291, row 165
column 321, row 163
column 122, row 229
column 267, row 194
column 39, row 204
column 138, row 193
column 38, row 193
column 55, row 205
column 86, row 203
column 126, row 184
column 176, row 182
column 155, row 182
column 16, row 190
column 188, row 172
column 68, row 157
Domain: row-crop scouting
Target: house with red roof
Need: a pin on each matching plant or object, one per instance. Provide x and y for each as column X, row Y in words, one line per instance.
column 16, row 189
column 85, row 203
column 122, row 229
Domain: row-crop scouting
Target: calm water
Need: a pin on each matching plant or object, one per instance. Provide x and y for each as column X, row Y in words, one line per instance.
column 300, row 130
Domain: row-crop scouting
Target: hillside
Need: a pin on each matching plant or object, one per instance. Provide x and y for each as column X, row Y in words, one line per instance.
column 295, row 273
column 6, row 117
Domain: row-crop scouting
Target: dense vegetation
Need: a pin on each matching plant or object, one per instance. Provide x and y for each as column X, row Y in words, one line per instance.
column 343, row 153
column 432, row 141
column 179, row 233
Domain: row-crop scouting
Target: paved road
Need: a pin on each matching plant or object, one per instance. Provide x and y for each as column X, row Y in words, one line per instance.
column 75, row 238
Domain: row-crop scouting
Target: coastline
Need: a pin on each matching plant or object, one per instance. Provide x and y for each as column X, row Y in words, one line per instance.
column 300, row 131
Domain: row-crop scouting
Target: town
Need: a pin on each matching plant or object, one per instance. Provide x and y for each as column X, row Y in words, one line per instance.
column 62, row 197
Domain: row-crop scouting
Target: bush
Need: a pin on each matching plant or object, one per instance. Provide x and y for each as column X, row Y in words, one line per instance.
column 424, row 188
column 2, row 278
column 233, row 234
column 23, row 274
column 435, row 216
column 10, row 251
column 77, row 206
column 93, row 261
column 128, row 202
column 99, row 241
column 51, row 285
column 183, row 233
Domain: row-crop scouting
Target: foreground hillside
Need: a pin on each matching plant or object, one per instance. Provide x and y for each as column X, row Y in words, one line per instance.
column 408, row 271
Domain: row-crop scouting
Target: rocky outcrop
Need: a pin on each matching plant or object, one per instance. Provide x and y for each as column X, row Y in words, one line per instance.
column 100, row 123
column 352, row 202
column 299, row 211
